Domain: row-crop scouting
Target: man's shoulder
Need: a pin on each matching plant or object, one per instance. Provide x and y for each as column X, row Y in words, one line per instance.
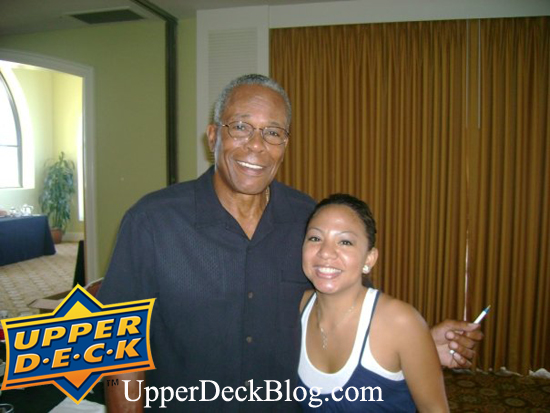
column 180, row 194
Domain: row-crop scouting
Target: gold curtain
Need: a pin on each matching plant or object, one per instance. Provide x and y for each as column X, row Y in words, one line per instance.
column 442, row 127
column 510, row 197
column 379, row 112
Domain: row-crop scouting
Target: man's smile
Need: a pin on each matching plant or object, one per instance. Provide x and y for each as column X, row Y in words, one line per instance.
column 250, row 166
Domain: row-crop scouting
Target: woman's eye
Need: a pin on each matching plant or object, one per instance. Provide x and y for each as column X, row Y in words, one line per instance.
column 313, row 238
column 346, row 242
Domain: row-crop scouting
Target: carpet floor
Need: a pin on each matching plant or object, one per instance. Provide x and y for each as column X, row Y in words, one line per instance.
column 496, row 392
column 23, row 282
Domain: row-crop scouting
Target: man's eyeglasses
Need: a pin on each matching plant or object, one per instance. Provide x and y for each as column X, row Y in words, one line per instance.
column 242, row 132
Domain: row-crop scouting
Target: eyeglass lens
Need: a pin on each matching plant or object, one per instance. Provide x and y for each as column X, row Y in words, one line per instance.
column 271, row 134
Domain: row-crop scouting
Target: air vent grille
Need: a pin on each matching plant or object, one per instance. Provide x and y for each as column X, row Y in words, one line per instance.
column 108, row 16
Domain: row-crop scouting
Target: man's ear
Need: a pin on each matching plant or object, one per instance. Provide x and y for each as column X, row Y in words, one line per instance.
column 372, row 257
column 211, row 136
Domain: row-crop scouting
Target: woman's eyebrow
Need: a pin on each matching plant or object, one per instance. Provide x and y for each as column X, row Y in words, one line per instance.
column 349, row 232
column 315, row 228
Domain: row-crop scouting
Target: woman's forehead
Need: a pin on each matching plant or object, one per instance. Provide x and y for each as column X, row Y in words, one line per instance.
column 336, row 214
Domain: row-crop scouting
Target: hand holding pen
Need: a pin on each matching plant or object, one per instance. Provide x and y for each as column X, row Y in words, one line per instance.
column 480, row 317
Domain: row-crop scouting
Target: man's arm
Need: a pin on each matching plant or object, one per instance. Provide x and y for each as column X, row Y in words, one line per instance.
column 115, row 399
column 459, row 336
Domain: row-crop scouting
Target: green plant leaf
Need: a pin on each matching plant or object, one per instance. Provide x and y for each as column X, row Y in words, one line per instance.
column 59, row 186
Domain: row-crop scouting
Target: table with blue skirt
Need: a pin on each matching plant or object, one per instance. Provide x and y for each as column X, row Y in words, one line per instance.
column 23, row 238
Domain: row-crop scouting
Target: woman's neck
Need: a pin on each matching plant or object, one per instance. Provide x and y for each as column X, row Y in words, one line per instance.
column 333, row 307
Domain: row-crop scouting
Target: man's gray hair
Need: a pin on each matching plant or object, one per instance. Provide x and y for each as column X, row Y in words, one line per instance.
column 251, row 79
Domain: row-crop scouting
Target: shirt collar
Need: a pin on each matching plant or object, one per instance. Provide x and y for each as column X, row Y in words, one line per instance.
column 209, row 210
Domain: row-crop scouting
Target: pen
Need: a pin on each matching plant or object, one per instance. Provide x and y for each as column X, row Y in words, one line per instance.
column 483, row 314
column 477, row 321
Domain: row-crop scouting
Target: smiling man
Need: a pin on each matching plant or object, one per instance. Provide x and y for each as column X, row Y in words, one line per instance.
column 246, row 160
column 222, row 256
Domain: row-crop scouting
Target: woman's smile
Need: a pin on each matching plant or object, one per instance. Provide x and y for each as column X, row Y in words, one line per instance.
column 327, row 272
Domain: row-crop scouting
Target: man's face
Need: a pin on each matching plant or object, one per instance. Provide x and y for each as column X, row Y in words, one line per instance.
column 248, row 167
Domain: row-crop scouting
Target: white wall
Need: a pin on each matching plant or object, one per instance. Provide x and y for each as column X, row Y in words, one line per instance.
column 227, row 47
column 377, row 11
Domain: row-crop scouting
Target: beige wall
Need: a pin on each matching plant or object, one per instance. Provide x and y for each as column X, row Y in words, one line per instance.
column 54, row 102
column 128, row 64
column 36, row 87
column 67, row 118
column 187, row 120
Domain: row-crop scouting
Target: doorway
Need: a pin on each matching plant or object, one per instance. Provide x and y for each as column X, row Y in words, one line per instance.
column 85, row 73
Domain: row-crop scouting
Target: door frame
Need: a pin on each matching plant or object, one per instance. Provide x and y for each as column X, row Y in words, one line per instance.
column 88, row 140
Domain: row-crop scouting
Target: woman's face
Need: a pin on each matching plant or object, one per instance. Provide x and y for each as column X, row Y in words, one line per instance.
column 335, row 249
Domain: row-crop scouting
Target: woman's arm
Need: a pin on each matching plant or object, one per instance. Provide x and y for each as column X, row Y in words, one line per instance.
column 419, row 359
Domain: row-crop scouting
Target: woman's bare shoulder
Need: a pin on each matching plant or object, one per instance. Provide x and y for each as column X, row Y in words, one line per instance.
column 399, row 314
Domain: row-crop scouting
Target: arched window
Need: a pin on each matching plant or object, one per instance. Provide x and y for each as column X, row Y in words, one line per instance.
column 11, row 154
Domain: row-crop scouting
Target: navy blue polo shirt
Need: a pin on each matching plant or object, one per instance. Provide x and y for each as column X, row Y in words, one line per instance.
column 227, row 307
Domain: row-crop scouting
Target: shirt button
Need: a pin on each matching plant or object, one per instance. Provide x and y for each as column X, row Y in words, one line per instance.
column 249, row 339
column 250, row 294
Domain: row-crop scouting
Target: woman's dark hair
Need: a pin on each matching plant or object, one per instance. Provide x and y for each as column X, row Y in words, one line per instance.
column 359, row 207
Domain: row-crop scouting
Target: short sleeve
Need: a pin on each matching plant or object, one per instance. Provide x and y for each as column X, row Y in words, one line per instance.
column 130, row 275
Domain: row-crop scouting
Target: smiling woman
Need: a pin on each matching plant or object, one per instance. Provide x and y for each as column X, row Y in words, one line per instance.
column 355, row 338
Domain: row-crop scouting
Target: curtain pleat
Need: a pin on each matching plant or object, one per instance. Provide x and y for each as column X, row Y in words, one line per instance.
column 379, row 113
column 442, row 127
column 510, row 268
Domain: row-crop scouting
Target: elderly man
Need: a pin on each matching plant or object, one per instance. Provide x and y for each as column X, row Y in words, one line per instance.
column 222, row 256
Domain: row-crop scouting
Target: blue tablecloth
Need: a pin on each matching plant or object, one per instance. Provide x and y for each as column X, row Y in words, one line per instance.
column 23, row 238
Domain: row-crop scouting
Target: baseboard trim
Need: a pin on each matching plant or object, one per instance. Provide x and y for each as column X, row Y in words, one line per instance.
column 73, row 236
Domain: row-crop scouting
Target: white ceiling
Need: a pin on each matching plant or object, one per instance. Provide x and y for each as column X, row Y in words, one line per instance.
column 28, row 16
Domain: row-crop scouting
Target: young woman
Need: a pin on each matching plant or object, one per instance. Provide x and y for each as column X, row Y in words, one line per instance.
column 361, row 350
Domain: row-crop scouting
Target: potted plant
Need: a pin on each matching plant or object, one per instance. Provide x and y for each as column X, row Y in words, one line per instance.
column 55, row 201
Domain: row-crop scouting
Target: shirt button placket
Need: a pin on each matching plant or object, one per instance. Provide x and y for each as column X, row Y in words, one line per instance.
column 248, row 338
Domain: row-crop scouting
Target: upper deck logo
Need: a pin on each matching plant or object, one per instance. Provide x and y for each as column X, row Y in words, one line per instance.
column 77, row 344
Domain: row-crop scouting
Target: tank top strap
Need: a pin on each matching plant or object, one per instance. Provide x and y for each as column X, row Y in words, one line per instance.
column 309, row 303
column 370, row 324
